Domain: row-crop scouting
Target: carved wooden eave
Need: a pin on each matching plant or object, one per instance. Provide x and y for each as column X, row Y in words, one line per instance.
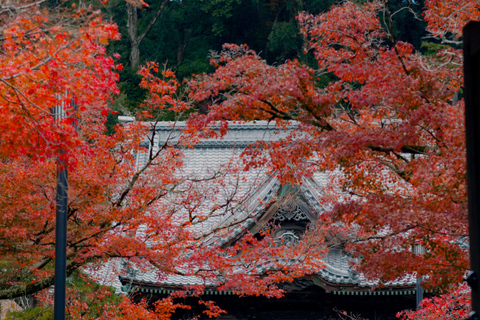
column 289, row 206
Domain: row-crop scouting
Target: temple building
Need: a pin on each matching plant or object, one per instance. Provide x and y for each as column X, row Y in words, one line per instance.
column 292, row 209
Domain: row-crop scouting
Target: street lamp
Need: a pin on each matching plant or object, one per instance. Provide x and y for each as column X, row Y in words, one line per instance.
column 419, row 250
column 59, row 113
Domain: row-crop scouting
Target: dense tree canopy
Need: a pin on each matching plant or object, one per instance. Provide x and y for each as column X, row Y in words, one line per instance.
column 387, row 118
column 373, row 105
column 117, row 208
column 186, row 31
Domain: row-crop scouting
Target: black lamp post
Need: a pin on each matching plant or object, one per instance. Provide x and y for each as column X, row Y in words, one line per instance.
column 59, row 113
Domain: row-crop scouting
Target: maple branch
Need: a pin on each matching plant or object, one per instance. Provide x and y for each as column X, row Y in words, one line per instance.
column 399, row 156
column 431, row 134
column 392, row 39
column 103, row 229
column 149, row 163
column 38, row 65
column 9, row 100
column 382, row 237
column 348, row 111
column 157, row 197
column 415, row 15
column 286, row 116
column 440, row 66
column 347, row 316
column 19, row 93
column 404, row 231
column 44, row 263
column 152, row 141
column 225, row 208
column 20, row 290
column 355, row 39
column 405, row 149
column 27, row 33
column 39, row 236
column 19, row 276
column 441, row 232
column 135, row 177
column 23, row 290
column 223, row 227
column 397, row 170
column 11, row 8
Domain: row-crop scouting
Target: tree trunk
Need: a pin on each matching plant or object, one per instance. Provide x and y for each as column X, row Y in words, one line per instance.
column 183, row 39
column 132, row 23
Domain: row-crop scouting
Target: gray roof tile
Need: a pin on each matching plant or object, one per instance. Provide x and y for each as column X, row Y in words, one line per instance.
column 255, row 190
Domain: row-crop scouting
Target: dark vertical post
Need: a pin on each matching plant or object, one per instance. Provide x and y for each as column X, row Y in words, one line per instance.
column 471, row 52
column 61, row 241
column 61, row 229
column 419, row 250
column 419, row 292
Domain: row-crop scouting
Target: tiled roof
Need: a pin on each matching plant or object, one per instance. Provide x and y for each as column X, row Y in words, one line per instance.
column 338, row 271
column 254, row 191
column 107, row 273
column 168, row 280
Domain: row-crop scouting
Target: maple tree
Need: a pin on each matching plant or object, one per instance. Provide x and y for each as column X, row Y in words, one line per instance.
column 43, row 58
column 385, row 122
column 387, row 118
column 454, row 305
column 47, row 59
column 117, row 208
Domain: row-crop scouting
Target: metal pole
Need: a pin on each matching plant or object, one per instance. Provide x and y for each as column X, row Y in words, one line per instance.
column 419, row 294
column 61, row 241
column 61, row 230
column 419, row 250
column 471, row 52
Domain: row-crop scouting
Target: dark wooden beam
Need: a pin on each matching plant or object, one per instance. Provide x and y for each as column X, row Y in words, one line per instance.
column 471, row 52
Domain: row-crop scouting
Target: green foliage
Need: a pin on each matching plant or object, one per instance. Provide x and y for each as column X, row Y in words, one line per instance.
column 193, row 66
column 408, row 23
column 431, row 49
column 37, row 313
column 219, row 10
column 86, row 292
column 129, row 86
column 318, row 6
column 188, row 30
column 90, row 292
column 284, row 40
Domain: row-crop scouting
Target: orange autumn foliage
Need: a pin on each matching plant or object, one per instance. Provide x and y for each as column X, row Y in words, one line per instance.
column 386, row 122
column 117, row 208
column 387, row 118
column 452, row 306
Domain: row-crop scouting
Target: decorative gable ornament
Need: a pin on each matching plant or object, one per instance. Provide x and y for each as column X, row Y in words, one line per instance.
column 291, row 211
